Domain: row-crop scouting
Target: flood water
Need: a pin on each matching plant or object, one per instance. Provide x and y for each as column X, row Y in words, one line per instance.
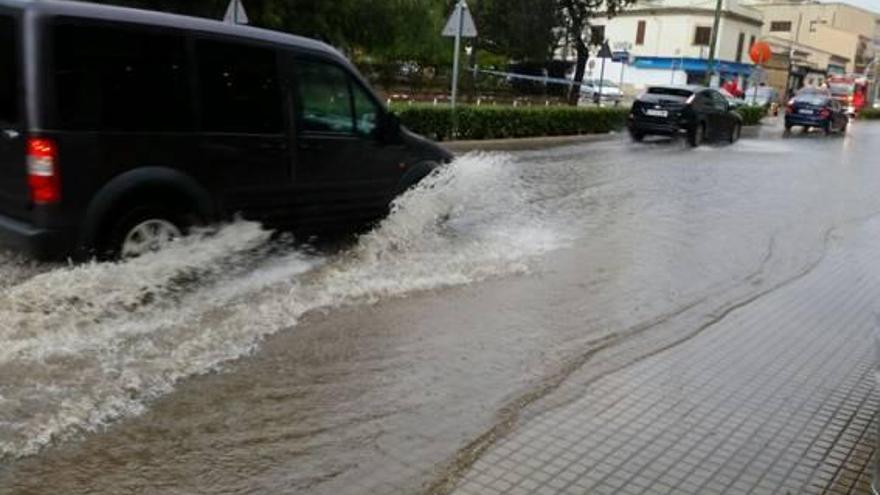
column 231, row 363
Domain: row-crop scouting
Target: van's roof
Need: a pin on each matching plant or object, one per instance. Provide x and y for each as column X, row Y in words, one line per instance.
column 153, row 18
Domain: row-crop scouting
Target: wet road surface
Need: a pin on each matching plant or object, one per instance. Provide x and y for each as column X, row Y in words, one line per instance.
column 510, row 288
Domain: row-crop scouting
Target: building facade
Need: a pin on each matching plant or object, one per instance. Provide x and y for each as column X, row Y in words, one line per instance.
column 810, row 40
column 669, row 40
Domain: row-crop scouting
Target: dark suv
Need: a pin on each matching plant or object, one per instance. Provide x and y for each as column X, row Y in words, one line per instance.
column 702, row 114
column 121, row 128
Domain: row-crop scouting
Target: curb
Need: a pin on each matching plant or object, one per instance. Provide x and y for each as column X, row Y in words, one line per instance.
column 515, row 144
column 532, row 143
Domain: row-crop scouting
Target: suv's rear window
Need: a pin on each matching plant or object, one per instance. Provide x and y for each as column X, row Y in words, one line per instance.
column 680, row 92
column 8, row 70
column 114, row 78
column 812, row 99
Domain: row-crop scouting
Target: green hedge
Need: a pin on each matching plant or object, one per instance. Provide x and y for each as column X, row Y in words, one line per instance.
column 491, row 122
column 752, row 115
column 870, row 114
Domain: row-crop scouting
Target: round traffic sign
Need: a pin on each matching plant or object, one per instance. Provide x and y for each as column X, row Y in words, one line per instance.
column 760, row 53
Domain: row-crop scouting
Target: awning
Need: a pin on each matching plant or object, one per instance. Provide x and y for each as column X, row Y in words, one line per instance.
column 696, row 65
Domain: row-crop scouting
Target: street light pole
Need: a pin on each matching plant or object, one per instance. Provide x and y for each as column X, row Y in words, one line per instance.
column 791, row 47
column 710, row 64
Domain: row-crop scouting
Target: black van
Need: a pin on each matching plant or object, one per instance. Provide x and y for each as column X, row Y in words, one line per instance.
column 120, row 128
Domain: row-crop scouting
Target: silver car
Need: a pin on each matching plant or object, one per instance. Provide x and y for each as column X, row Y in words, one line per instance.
column 610, row 92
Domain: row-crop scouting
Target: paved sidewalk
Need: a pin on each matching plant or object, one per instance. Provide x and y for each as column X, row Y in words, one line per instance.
column 777, row 397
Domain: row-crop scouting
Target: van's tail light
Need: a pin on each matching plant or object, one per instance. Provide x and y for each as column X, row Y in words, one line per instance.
column 43, row 178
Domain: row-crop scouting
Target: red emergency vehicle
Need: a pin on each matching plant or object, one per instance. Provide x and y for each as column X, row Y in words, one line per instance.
column 851, row 91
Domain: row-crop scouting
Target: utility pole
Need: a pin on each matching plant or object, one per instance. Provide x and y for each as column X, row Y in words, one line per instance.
column 791, row 46
column 710, row 64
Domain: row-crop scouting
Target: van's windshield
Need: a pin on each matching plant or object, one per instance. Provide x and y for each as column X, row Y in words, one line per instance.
column 8, row 71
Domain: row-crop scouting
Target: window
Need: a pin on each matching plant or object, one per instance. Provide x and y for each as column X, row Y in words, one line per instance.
column 239, row 88
column 8, row 71
column 325, row 99
column 719, row 101
column 702, row 35
column 751, row 42
column 640, row 33
column 780, row 26
column 366, row 111
column 739, row 46
column 119, row 78
column 597, row 35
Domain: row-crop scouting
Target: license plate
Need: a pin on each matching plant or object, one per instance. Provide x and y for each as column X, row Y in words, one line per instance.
column 656, row 113
column 805, row 111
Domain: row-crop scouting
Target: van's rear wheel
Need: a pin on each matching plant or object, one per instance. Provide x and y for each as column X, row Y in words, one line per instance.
column 144, row 229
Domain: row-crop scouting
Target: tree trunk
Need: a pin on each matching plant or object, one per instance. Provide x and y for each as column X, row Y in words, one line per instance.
column 583, row 53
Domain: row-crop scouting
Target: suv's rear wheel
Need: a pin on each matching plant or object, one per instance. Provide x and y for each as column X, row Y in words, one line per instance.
column 697, row 135
column 144, row 229
column 735, row 133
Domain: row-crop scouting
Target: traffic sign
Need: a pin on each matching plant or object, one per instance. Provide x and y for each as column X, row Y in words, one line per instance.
column 605, row 51
column 235, row 13
column 758, row 75
column 620, row 56
column 460, row 25
column 760, row 53
column 462, row 20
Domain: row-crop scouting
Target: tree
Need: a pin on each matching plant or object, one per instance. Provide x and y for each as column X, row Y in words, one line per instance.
column 576, row 16
column 522, row 30
column 404, row 29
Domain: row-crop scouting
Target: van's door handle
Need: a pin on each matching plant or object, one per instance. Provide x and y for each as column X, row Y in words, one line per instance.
column 11, row 134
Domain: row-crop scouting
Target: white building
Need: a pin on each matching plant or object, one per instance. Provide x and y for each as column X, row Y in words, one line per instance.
column 668, row 41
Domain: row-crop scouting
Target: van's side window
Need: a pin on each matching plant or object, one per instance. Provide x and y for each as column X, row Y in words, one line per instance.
column 119, row 78
column 366, row 111
column 239, row 88
column 8, row 71
column 325, row 99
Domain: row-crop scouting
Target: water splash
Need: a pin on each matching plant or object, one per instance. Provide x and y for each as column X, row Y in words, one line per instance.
column 85, row 345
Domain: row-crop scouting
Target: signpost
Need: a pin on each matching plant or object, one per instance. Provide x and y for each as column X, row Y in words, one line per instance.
column 622, row 55
column 235, row 13
column 760, row 53
column 460, row 25
column 604, row 52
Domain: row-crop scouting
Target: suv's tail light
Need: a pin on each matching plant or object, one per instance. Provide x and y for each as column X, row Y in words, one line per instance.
column 789, row 108
column 42, row 163
column 825, row 113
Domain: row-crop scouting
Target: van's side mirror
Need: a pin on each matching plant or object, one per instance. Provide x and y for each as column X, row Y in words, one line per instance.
column 389, row 130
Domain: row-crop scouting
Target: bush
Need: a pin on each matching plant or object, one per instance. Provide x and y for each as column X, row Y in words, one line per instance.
column 870, row 114
column 751, row 115
column 491, row 122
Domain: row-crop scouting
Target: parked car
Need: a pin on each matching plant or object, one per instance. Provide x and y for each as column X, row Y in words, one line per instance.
column 814, row 109
column 122, row 128
column 610, row 92
column 701, row 113
column 764, row 96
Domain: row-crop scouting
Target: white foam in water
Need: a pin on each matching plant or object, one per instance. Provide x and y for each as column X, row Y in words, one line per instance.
column 84, row 345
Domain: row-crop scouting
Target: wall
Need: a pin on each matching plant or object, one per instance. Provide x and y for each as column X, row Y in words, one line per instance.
column 831, row 27
column 673, row 35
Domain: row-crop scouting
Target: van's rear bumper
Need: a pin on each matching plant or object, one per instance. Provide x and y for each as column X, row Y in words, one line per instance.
column 34, row 241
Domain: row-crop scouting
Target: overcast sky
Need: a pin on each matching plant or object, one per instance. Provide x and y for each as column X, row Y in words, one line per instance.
column 868, row 4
